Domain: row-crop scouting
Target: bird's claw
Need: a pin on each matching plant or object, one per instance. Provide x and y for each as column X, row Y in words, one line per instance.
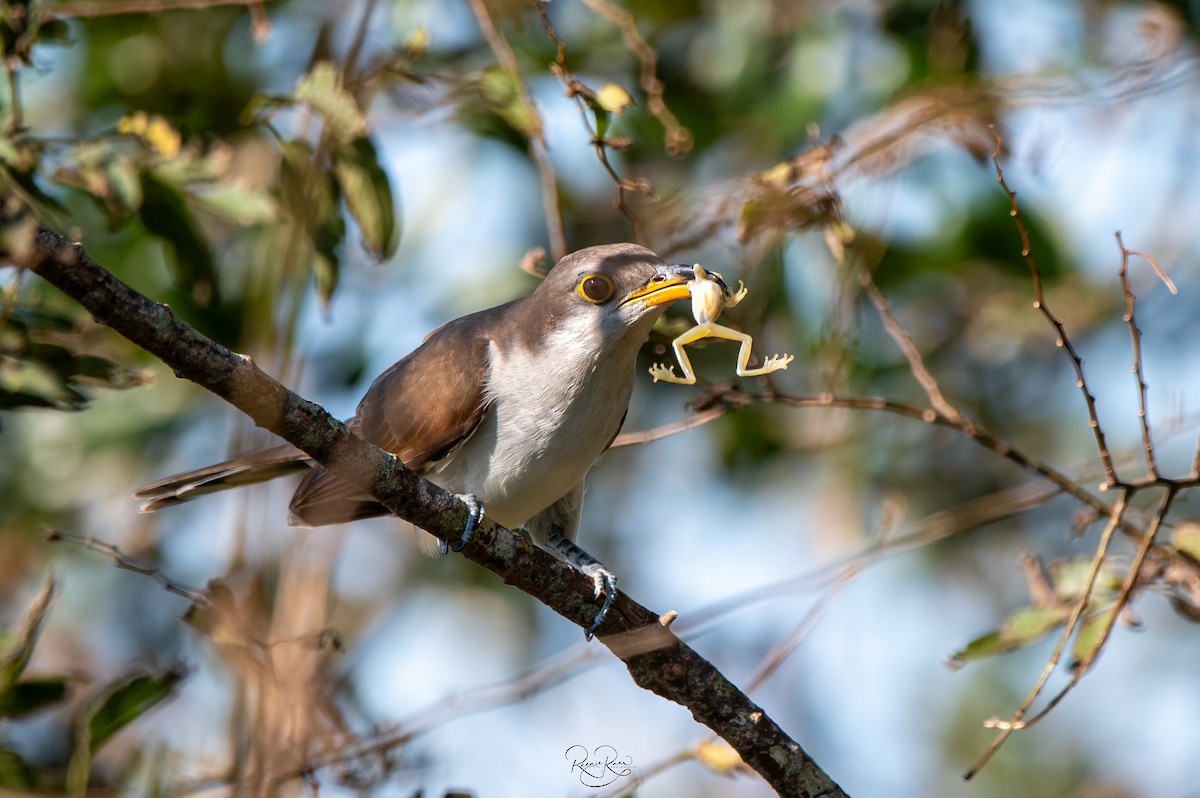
column 474, row 516
column 605, row 585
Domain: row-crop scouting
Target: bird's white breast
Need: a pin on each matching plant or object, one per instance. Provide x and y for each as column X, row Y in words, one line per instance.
column 552, row 412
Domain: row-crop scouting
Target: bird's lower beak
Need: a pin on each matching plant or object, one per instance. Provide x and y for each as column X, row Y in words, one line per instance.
column 668, row 285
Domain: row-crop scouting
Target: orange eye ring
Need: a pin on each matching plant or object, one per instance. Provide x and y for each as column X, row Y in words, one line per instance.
column 596, row 288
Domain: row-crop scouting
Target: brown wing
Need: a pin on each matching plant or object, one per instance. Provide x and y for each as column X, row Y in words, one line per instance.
column 419, row 410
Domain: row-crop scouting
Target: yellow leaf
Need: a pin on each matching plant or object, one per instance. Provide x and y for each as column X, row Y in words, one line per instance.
column 613, row 98
column 720, row 757
column 162, row 137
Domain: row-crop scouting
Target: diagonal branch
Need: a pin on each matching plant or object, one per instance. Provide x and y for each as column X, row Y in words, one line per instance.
column 1063, row 341
column 657, row 660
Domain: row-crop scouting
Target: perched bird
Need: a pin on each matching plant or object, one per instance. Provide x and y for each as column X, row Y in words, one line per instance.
column 508, row 407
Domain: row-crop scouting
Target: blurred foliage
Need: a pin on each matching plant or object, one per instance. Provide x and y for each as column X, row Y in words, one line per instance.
column 93, row 721
column 39, row 367
column 240, row 162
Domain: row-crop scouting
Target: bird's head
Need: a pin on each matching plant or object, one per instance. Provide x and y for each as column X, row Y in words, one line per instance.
column 619, row 288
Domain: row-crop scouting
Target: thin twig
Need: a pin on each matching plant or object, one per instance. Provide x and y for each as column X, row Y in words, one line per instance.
column 1039, row 303
column 15, row 121
column 916, row 363
column 677, row 138
column 786, row 647
column 356, row 45
column 1122, row 600
column 537, row 139
column 90, row 9
column 1135, row 336
column 578, row 91
column 666, row 430
column 1017, row 720
column 126, row 563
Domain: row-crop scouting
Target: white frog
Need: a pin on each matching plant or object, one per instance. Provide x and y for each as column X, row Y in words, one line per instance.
column 710, row 296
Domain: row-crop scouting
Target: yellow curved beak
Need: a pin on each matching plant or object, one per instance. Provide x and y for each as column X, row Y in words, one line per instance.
column 668, row 285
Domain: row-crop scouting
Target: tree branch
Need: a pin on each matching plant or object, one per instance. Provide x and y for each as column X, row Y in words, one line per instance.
column 657, row 660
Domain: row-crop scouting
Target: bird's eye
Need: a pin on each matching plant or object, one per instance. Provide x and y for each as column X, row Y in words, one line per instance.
column 596, row 288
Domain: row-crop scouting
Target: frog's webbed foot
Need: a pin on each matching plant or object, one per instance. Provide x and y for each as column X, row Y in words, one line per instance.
column 773, row 363
column 661, row 371
column 737, row 296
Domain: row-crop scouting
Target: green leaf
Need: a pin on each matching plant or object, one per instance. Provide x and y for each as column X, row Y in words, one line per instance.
column 1088, row 635
column 322, row 89
column 1022, row 628
column 500, row 89
column 121, row 703
column 107, row 175
column 125, row 702
column 165, row 214
column 19, row 162
column 1186, row 538
column 312, row 197
column 34, row 373
column 237, row 204
column 368, row 195
column 13, row 663
column 1070, row 578
column 16, row 773
column 30, row 696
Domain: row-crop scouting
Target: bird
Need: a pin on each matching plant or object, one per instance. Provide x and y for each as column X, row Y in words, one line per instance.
column 508, row 408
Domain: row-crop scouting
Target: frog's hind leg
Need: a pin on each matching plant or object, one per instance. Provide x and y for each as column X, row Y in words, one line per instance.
column 660, row 371
column 743, row 362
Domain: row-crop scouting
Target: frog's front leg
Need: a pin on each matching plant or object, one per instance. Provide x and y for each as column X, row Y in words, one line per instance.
column 665, row 373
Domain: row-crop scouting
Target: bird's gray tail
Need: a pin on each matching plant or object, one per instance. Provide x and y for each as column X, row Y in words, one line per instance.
column 246, row 469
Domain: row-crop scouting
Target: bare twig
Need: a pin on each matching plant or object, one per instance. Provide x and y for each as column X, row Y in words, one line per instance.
column 1130, row 583
column 578, row 91
column 1017, row 720
column 356, row 44
column 916, row 363
column 677, row 138
column 666, row 430
column 1136, row 338
column 88, row 9
column 1062, row 340
column 126, row 563
column 537, row 139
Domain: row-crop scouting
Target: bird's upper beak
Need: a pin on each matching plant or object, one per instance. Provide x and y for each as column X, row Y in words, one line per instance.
column 669, row 283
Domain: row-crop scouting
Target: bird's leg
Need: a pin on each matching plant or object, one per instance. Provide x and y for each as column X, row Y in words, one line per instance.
column 475, row 515
column 604, row 580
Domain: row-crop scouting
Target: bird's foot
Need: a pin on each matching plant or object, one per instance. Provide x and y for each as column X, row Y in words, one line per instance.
column 605, row 582
column 475, row 515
